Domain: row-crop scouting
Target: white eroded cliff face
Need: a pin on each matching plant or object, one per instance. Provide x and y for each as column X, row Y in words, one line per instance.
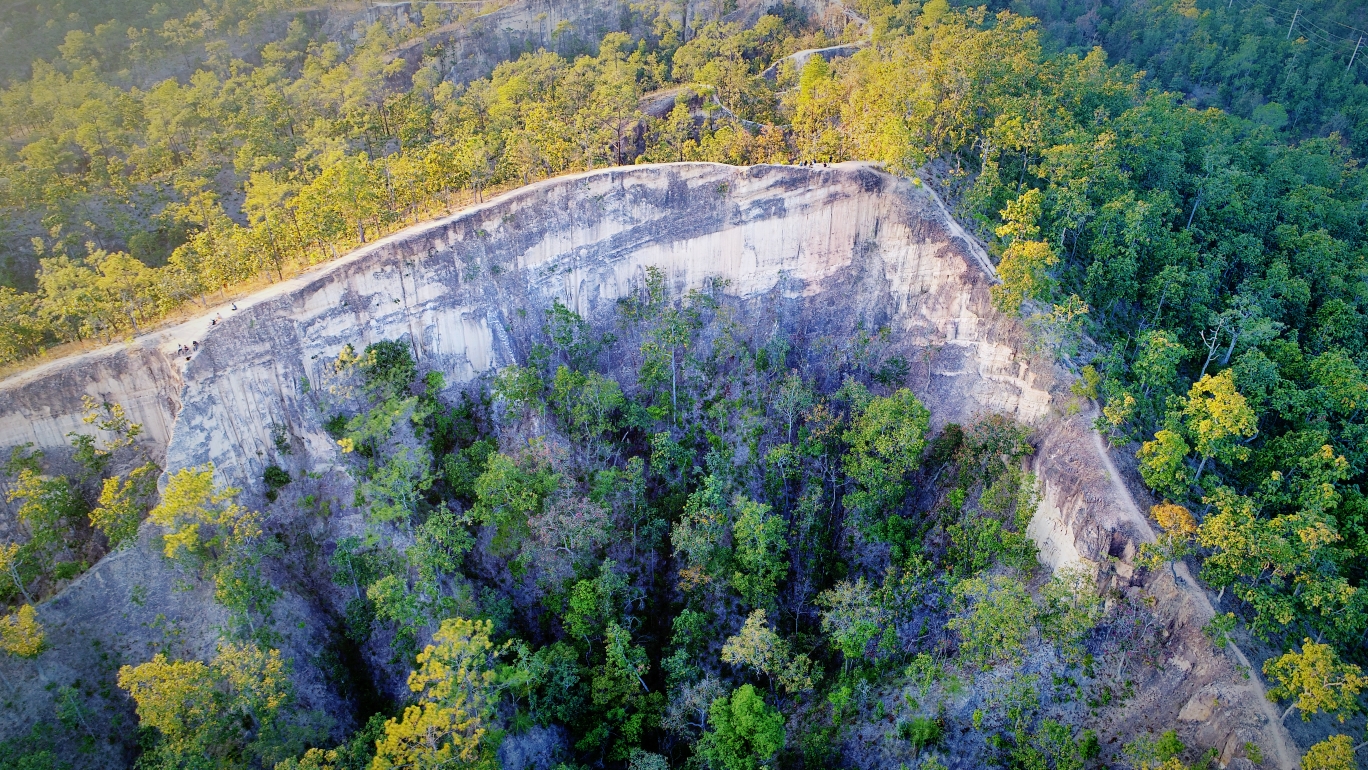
column 849, row 244
column 847, row 237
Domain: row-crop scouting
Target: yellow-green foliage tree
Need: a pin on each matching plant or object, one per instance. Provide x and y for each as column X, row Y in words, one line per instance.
column 450, row 725
column 201, row 520
column 1215, row 422
column 1334, row 753
column 1027, row 260
column 122, row 502
column 21, row 634
column 10, row 558
column 228, row 713
column 1218, row 418
column 759, row 647
column 1177, row 530
column 1276, row 563
column 1316, row 680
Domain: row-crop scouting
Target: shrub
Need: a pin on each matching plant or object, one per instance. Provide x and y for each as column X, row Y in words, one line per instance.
column 336, row 426
column 275, row 478
column 921, row 732
column 388, row 367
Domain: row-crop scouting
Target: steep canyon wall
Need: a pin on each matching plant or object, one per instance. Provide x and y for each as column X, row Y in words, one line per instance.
column 849, row 243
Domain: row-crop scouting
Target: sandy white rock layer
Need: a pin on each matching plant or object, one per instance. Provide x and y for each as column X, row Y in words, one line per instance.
column 847, row 240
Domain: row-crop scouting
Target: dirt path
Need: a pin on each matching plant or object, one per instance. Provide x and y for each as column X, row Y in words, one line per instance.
column 199, row 328
column 1286, row 754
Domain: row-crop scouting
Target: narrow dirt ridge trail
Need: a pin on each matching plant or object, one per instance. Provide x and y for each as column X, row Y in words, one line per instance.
column 1288, row 757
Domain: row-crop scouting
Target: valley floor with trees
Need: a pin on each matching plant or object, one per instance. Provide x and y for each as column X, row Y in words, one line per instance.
column 671, row 540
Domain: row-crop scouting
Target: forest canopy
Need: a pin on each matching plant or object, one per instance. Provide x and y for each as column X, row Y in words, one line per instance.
column 1177, row 215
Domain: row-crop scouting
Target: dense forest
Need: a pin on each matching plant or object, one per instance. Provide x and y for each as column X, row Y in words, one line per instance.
column 679, row 543
column 1297, row 68
column 673, row 538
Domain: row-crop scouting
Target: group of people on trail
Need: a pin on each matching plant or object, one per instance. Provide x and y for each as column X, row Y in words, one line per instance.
column 193, row 347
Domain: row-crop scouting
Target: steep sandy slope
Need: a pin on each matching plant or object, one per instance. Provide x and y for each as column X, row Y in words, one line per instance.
column 848, row 244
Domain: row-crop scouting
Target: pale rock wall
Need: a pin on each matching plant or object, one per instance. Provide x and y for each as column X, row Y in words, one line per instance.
column 450, row 286
column 42, row 405
column 850, row 241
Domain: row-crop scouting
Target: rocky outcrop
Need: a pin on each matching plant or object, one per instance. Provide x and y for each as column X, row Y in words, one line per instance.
column 848, row 243
column 849, row 236
column 471, row 47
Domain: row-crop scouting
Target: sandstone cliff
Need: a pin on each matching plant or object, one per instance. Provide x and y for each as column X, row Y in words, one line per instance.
column 847, row 244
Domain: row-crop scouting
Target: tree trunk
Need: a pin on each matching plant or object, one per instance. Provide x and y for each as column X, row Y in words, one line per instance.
column 1230, row 350
column 1195, row 204
column 14, row 574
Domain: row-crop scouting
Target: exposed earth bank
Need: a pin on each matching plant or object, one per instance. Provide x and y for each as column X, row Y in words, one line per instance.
column 846, row 242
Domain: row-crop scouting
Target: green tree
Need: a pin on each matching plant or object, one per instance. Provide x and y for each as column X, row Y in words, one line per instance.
column 1157, row 359
column 793, row 397
column 395, row 489
column 1150, row 753
column 746, row 732
column 594, row 604
column 886, row 438
column 51, row 509
column 623, row 704
column 994, row 620
column 852, row 617
column 1070, row 609
column 588, row 403
column 388, row 369
column 520, row 388
column 440, row 544
column 760, row 552
column 11, row 560
column 21, row 328
column 509, row 492
column 1163, row 464
column 243, row 590
column 668, row 341
column 108, row 418
column 700, row 534
column 396, row 601
column 346, row 195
